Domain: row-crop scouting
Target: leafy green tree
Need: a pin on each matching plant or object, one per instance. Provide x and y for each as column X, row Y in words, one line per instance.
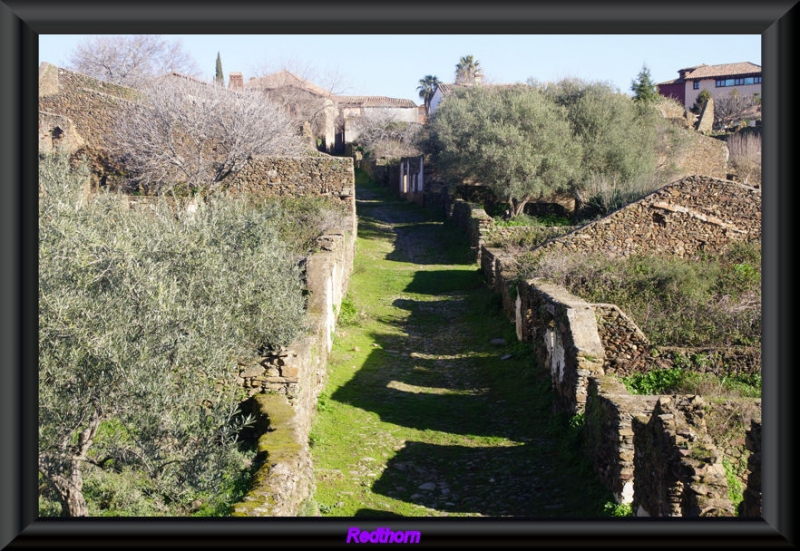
column 644, row 89
column 219, row 76
column 700, row 102
column 618, row 139
column 468, row 70
column 143, row 314
column 427, row 86
column 512, row 139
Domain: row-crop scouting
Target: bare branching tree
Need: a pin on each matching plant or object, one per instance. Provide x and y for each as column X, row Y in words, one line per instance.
column 131, row 60
column 195, row 135
column 733, row 108
column 384, row 135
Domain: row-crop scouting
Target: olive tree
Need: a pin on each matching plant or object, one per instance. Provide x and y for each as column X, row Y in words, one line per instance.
column 143, row 315
column 192, row 134
column 512, row 139
column 618, row 139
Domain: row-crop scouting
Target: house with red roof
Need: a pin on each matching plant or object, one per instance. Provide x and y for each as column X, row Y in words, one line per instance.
column 719, row 80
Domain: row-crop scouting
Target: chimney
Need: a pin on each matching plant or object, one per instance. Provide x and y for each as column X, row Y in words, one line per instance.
column 236, row 81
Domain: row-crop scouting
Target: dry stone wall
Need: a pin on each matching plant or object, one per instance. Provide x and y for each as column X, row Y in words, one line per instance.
column 704, row 155
column 628, row 351
column 90, row 105
column 679, row 471
column 565, row 339
column 626, row 346
column 610, row 410
column 580, row 344
column 693, row 216
column 297, row 176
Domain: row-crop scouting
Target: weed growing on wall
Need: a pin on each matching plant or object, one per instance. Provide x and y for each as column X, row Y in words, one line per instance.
column 681, row 380
column 714, row 302
column 143, row 314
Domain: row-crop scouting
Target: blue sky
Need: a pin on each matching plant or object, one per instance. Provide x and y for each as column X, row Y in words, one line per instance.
column 391, row 65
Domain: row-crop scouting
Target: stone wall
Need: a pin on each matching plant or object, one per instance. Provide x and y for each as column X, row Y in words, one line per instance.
column 285, row 384
column 704, row 155
column 565, row 341
column 705, row 122
column 90, row 105
column 690, row 217
column 679, row 471
column 610, row 410
column 628, row 350
column 57, row 133
column 320, row 174
column 626, row 346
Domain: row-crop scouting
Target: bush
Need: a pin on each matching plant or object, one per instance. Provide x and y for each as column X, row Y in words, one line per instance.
column 716, row 302
column 658, row 381
column 143, row 314
column 301, row 220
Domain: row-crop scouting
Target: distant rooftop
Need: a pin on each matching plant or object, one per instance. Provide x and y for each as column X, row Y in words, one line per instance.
column 374, row 101
column 724, row 70
column 286, row 78
column 715, row 71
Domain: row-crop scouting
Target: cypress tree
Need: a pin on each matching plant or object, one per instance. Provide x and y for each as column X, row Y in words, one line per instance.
column 220, row 76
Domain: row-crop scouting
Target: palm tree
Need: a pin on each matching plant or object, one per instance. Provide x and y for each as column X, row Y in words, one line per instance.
column 427, row 86
column 468, row 70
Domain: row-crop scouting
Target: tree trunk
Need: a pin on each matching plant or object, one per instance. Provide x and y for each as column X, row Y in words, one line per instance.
column 72, row 499
column 70, row 487
column 70, row 490
column 518, row 207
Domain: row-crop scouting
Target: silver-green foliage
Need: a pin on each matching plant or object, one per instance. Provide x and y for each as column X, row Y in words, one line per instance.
column 512, row 139
column 142, row 316
column 618, row 138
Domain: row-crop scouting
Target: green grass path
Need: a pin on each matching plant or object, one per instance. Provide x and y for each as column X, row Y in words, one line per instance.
column 422, row 415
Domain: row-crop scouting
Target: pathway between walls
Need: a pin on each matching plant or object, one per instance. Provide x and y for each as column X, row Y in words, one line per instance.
column 432, row 408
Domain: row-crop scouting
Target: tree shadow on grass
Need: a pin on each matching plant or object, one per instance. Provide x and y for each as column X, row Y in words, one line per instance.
column 515, row 481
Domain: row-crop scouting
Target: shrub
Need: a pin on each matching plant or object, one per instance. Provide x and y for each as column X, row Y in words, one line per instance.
column 675, row 302
column 657, row 381
column 143, row 314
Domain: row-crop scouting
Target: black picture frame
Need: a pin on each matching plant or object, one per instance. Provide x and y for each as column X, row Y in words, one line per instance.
column 22, row 21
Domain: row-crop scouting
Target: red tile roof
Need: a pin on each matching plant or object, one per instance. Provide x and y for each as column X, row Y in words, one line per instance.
column 724, row 70
column 374, row 101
